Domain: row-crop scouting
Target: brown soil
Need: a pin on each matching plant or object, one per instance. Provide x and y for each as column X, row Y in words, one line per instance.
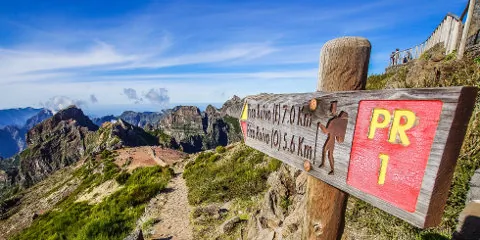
column 148, row 156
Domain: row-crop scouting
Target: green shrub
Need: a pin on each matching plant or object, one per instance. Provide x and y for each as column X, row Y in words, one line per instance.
column 285, row 202
column 377, row 81
column 426, row 56
column 220, row 149
column 451, row 56
column 477, row 60
column 122, row 178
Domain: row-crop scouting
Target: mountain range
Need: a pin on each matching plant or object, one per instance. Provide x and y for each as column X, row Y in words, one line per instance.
column 67, row 136
column 15, row 123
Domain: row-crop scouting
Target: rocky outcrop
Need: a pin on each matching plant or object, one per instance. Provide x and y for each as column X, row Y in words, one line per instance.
column 135, row 235
column 232, row 107
column 195, row 131
column 182, row 122
column 281, row 214
column 118, row 134
column 141, row 119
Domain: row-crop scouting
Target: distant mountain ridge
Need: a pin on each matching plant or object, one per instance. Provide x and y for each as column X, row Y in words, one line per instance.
column 12, row 137
column 138, row 119
column 17, row 116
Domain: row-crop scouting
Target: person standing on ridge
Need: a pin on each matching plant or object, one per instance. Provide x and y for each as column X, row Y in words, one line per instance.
column 397, row 56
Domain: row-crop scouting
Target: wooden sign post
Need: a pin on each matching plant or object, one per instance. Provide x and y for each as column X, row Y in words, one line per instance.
column 395, row 149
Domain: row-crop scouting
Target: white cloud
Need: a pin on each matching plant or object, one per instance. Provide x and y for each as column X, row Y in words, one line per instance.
column 57, row 103
column 158, row 96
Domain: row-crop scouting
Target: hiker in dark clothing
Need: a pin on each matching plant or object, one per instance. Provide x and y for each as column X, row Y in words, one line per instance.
column 392, row 59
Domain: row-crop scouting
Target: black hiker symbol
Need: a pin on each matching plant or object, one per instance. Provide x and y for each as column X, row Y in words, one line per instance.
column 336, row 129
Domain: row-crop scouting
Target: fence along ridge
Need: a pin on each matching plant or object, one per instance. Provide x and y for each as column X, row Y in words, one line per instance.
column 447, row 31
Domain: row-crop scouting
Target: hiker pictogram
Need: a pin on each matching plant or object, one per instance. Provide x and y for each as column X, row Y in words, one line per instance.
column 336, row 129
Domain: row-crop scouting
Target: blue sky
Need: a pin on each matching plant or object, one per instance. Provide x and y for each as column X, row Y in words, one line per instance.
column 109, row 56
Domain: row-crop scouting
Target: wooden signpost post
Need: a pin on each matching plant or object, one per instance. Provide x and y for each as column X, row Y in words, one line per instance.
column 395, row 149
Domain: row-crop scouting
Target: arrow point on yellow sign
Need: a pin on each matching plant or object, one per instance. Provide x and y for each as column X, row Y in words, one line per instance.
column 243, row 120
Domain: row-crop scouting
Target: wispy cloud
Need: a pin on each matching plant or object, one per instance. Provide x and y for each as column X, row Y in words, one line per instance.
column 19, row 63
column 198, row 51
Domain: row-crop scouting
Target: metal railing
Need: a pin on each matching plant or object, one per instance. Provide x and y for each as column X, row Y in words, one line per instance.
column 448, row 32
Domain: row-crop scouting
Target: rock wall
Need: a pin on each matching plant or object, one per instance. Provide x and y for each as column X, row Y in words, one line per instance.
column 182, row 122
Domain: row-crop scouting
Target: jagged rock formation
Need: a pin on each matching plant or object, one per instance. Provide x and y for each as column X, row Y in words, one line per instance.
column 55, row 143
column 182, row 122
column 195, row 131
column 281, row 213
column 120, row 134
column 141, row 119
column 232, row 107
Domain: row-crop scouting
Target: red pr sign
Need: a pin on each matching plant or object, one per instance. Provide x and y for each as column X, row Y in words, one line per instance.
column 391, row 146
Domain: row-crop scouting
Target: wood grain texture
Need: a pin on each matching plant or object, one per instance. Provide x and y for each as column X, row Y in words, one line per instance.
column 296, row 139
column 343, row 66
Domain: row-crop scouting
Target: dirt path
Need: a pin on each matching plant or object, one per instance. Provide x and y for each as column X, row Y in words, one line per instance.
column 175, row 215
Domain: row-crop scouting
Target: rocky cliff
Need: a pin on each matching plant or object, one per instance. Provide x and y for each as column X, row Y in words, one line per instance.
column 196, row 131
column 141, row 119
column 55, row 143
column 281, row 212
column 118, row 134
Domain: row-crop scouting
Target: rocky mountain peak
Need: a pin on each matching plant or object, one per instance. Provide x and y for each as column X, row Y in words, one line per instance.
column 72, row 113
column 71, row 116
column 232, row 107
column 211, row 110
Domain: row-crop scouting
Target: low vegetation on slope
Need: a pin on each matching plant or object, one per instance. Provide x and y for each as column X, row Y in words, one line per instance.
column 431, row 70
column 221, row 177
column 112, row 218
column 214, row 178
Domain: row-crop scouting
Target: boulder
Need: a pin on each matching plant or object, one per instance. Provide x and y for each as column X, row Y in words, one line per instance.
column 229, row 225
